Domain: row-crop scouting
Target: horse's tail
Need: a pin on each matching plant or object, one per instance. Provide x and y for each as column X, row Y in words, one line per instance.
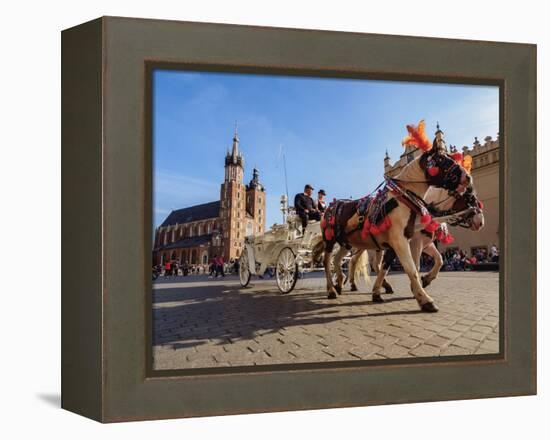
column 362, row 268
column 318, row 249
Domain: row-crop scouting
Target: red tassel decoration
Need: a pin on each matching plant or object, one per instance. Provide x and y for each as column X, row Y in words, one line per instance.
column 365, row 230
column 448, row 239
column 374, row 230
column 329, row 234
column 440, row 235
column 382, row 226
column 332, row 221
column 432, row 227
column 425, row 219
column 433, row 171
column 480, row 203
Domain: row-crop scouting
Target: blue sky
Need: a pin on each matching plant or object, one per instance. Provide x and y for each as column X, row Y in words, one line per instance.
column 334, row 132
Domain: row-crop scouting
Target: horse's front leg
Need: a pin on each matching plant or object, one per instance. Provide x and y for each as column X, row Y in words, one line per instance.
column 403, row 251
column 383, row 269
column 338, row 268
column 353, row 267
column 328, row 274
column 432, row 251
column 389, row 256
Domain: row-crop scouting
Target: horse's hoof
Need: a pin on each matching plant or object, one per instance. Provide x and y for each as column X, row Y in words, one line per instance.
column 425, row 281
column 377, row 299
column 429, row 307
column 338, row 290
column 389, row 290
column 354, row 288
column 332, row 295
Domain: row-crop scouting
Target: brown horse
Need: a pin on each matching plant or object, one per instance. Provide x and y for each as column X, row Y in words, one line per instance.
column 416, row 178
column 464, row 210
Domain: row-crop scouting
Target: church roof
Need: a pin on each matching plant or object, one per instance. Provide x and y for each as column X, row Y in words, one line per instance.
column 188, row 242
column 193, row 213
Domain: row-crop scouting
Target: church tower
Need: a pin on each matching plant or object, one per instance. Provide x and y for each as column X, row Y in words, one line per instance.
column 255, row 205
column 232, row 202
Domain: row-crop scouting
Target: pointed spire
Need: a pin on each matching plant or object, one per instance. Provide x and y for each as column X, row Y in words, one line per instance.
column 235, row 151
column 234, row 157
column 387, row 155
column 255, row 182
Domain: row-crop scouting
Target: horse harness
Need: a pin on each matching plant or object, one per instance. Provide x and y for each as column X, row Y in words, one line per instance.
column 372, row 209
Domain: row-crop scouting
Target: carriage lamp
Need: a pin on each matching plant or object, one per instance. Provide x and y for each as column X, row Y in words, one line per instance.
column 284, row 206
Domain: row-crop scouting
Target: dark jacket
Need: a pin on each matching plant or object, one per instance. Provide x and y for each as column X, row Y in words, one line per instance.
column 302, row 202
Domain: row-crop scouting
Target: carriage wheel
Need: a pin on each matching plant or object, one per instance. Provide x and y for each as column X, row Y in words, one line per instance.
column 286, row 271
column 244, row 269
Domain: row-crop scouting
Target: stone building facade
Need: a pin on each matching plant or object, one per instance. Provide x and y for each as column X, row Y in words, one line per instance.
column 197, row 233
column 485, row 173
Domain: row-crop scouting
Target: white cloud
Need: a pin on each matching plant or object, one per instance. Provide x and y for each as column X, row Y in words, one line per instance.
column 175, row 189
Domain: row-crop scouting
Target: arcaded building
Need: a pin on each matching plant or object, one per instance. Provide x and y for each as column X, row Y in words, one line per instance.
column 195, row 234
column 485, row 172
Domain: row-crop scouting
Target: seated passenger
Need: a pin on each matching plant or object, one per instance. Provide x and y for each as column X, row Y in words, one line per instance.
column 305, row 206
column 321, row 204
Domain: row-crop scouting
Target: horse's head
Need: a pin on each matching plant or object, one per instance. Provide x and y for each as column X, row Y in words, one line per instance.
column 464, row 209
column 442, row 171
column 472, row 209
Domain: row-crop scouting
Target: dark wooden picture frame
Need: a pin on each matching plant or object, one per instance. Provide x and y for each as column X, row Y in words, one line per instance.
column 106, row 214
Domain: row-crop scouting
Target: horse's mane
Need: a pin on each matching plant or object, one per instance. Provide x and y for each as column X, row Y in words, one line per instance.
column 412, row 167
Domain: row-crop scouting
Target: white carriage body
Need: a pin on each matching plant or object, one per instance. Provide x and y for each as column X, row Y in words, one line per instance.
column 263, row 250
column 284, row 248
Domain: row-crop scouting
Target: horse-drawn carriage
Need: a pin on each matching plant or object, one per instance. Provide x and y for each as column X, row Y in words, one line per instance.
column 285, row 248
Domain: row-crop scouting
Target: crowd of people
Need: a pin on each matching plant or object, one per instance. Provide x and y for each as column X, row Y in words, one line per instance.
column 457, row 259
column 217, row 267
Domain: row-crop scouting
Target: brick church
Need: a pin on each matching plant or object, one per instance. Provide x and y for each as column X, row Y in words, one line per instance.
column 197, row 233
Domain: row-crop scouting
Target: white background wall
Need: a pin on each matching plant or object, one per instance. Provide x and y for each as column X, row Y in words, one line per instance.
column 30, row 220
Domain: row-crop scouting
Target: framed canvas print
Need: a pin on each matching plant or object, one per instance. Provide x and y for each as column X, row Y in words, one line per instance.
column 263, row 219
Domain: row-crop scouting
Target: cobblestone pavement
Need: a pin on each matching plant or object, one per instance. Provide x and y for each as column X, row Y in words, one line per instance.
column 200, row 322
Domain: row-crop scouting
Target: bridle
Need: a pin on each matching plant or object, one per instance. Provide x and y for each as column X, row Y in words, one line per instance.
column 462, row 218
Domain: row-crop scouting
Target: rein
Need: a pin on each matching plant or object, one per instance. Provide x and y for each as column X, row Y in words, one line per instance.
column 408, row 197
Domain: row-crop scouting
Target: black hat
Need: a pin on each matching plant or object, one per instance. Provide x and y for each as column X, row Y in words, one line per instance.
column 308, row 186
column 322, row 191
